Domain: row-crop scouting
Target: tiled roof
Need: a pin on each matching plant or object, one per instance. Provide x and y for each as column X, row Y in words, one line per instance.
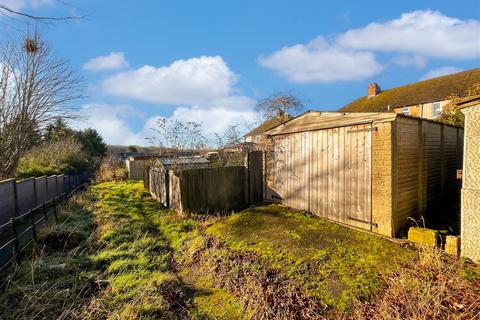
column 269, row 124
column 432, row 90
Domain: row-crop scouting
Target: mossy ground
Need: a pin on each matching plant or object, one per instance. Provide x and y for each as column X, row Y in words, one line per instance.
column 334, row 264
column 120, row 255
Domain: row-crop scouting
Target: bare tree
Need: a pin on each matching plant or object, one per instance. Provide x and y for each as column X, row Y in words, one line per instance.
column 35, row 88
column 176, row 137
column 231, row 148
column 279, row 105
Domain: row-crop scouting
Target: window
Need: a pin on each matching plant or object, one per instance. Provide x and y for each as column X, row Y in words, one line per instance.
column 406, row 111
column 436, row 109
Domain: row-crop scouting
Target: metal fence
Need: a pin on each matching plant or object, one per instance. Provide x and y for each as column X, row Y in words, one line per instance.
column 26, row 205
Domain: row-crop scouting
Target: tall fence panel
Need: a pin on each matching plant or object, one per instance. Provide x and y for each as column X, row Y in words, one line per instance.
column 17, row 197
column 26, row 195
column 41, row 187
column 213, row 189
column 255, row 176
column 7, row 200
column 159, row 185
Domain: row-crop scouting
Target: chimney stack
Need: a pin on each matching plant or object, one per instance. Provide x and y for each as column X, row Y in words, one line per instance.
column 373, row 89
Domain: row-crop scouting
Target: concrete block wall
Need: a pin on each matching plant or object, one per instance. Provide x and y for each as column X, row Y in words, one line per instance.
column 382, row 178
column 470, row 224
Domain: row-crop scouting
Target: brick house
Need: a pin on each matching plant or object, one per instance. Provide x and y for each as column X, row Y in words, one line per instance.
column 423, row 99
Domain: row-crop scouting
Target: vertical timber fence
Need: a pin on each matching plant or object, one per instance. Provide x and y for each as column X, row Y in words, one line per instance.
column 209, row 190
column 28, row 204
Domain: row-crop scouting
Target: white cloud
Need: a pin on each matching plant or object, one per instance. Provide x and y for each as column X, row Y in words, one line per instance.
column 429, row 33
column 193, row 81
column 443, row 71
column 217, row 119
column 114, row 122
column 319, row 61
column 414, row 37
column 415, row 60
column 113, row 61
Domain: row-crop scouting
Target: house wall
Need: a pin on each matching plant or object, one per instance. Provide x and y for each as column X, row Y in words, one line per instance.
column 426, row 157
column 470, row 227
column 423, row 110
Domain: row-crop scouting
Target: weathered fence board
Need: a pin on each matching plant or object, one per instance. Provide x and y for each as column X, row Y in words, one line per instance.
column 213, row 189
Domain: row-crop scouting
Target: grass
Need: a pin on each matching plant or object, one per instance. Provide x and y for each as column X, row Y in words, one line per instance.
column 59, row 278
column 120, row 255
column 334, row 264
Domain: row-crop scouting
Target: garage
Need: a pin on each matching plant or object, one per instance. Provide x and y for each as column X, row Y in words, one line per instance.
column 367, row 170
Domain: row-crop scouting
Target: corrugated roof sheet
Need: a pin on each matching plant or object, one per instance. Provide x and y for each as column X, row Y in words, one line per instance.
column 432, row 90
column 183, row 161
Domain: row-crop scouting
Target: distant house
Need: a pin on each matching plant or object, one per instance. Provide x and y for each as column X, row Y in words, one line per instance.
column 470, row 226
column 257, row 135
column 423, row 99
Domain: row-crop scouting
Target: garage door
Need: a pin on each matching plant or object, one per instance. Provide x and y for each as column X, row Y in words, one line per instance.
column 326, row 172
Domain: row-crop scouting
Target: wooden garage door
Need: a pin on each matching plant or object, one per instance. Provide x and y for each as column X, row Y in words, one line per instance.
column 327, row 172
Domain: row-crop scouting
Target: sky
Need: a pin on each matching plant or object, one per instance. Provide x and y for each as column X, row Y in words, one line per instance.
column 212, row 61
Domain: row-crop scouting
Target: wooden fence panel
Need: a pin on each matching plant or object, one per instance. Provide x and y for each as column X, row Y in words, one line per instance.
column 135, row 169
column 255, row 176
column 210, row 189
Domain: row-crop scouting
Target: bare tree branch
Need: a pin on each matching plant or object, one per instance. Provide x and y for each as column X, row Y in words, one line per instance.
column 8, row 10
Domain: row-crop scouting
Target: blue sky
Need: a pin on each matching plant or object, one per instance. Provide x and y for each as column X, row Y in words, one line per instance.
column 210, row 61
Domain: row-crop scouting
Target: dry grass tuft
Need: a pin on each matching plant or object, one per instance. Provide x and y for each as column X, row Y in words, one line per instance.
column 435, row 287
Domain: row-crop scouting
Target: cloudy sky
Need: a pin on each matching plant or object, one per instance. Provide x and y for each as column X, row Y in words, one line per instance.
column 210, row 61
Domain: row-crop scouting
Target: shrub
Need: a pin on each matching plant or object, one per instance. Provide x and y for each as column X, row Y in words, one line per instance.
column 111, row 169
column 53, row 157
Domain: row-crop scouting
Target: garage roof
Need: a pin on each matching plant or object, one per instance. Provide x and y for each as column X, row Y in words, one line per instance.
column 315, row 120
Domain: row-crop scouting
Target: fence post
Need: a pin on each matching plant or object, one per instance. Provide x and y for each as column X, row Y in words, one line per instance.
column 15, row 198
column 44, row 208
column 56, row 184
column 35, row 194
column 55, row 209
column 46, row 188
column 16, row 246
column 32, row 220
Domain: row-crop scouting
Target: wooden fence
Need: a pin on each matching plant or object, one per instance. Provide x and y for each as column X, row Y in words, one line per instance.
column 207, row 190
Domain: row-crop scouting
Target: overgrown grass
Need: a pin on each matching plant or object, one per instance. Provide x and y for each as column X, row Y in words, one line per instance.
column 269, row 262
column 334, row 264
column 59, row 278
column 139, row 242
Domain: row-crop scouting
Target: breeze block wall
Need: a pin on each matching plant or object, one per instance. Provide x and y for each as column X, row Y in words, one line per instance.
column 470, row 226
column 382, row 178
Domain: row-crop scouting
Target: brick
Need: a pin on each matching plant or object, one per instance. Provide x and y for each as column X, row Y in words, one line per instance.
column 452, row 245
column 423, row 236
